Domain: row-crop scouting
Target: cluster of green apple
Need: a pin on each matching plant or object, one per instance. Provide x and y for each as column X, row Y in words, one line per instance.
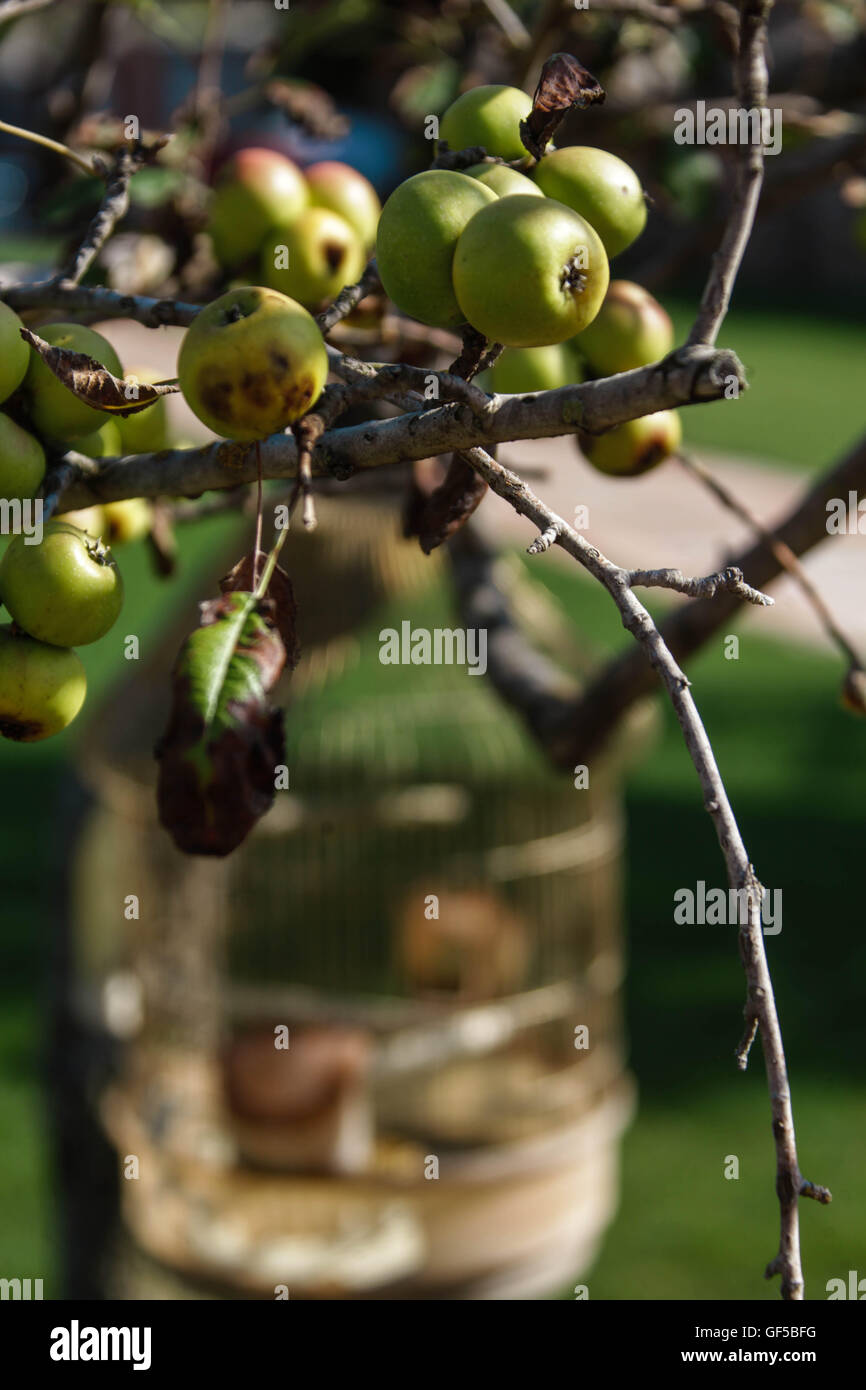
column 309, row 233
column 524, row 258
column 63, row 590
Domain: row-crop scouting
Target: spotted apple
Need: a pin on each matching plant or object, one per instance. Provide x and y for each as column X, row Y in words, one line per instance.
column 251, row 363
column 635, row 446
column 313, row 259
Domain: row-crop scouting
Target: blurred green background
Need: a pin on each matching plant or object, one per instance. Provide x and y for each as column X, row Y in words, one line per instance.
column 793, row 762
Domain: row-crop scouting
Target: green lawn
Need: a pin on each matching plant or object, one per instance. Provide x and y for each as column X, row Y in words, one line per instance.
column 807, row 386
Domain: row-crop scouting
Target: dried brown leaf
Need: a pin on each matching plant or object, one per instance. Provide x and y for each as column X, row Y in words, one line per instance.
column 564, row 83
column 94, row 384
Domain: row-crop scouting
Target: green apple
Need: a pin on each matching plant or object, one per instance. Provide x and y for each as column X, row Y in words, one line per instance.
column 342, row 189
column 251, row 363
column 14, row 352
column 22, row 461
column 636, row 446
column 67, row 590
column 42, row 688
column 418, row 232
column 103, row 443
column 256, row 190
column 631, row 329
column 55, row 412
column 488, row 116
column 504, row 181
column 128, row 520
column 529, row 271
column 601, row 187
column 534, row 369
column 147, row 431
column 313, row 259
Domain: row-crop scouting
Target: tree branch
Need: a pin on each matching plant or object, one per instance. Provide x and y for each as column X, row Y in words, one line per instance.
column 751, row 85
column 687, row 376
column 760, row 1001
column 783, row 553
column 628, row 678
column 112, row 209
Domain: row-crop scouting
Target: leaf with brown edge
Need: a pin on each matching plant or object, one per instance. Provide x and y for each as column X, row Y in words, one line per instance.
column 218, row 755
column 94, row 384
column 563, row 84
column 278, row 605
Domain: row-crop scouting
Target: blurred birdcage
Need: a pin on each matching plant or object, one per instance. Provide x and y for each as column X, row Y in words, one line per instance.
column 377, row 1052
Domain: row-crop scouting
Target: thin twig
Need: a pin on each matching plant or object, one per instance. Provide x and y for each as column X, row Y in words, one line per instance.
column 86, row 166
column 783, row 553
column 751, row 85
column 760, row 1005
column 729, row 580
column 348, row 299
column 112, row 209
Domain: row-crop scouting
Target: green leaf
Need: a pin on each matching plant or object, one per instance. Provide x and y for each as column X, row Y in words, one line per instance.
column 223, row 742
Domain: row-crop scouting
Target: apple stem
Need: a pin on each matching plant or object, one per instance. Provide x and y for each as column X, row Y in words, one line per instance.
column 258, row 541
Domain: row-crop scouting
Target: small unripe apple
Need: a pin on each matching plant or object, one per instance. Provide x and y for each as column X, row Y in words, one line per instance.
column 418, row 233
column 147, row 431
column 22, row 461
column 488, row 116
column 601, row 187
column 635, row 446
column 67, row 590
column 256, row 190
column 313, row 259
column 342, row 189
column 534, row 369
column 103, row 443
column 56, row 413
column 504, row 181
column 631, row 329
column 42, row 688
column 14, row 352
column 529, row 271
column 251, row 363
column 128, row 520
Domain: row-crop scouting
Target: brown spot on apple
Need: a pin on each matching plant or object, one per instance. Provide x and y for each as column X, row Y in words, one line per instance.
column 258, row 388
column 216, row 396
column 21, row 730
